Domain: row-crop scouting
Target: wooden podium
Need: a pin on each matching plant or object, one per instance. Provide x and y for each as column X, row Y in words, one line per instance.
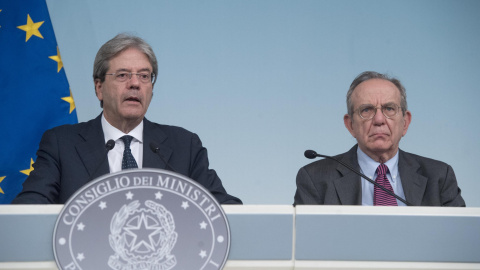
column 287, row 237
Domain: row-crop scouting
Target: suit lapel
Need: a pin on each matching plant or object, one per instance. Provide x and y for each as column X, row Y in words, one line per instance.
column 413, row 184
column 152, row 133
column 348, row 187
column 91, row 149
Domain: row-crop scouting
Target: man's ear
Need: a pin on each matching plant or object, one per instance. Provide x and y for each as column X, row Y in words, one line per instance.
column 407, row 119
column 348, row 121
column 98, row 89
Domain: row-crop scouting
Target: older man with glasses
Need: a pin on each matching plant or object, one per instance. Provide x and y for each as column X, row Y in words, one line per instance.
column 124, row 74
column 378, row 118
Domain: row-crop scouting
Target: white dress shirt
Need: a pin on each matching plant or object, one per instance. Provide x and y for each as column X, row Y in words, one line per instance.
column 115, row 155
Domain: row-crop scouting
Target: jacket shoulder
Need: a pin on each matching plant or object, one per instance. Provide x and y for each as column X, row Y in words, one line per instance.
column 71, row 127
column 168, row 129
column 326, row 166
column 422, row 161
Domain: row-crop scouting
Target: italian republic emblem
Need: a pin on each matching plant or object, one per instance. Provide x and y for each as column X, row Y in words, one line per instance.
column 145, row 219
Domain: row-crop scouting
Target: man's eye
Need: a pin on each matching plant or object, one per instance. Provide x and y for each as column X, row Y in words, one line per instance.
column 367, row 109
column 144, row 76
column 389, row 108
column 122, row 75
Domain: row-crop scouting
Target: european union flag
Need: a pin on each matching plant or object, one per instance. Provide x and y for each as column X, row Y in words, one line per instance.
column 35, row 95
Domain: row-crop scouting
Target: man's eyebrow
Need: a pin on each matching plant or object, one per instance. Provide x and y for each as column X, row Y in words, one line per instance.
column 129, row 70
column 121, row 70
column 144, row 69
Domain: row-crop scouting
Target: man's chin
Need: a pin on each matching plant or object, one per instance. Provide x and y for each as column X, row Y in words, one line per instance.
column 380, row 147
column 133, row 116
column 132, row 112
column 383, row 149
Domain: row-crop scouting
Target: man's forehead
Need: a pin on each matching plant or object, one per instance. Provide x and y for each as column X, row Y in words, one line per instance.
column 376, row 90
column 131, row 57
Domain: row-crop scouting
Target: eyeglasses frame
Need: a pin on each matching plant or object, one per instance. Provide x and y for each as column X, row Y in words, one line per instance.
column 130, row 74
column 381, row 109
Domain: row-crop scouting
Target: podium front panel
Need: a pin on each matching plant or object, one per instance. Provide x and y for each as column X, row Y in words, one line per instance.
column 281, row 237
column 403, row 234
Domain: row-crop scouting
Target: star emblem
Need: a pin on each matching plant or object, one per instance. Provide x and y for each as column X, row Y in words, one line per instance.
column 80, row 257
column 185, row 205
column 129, row 195
column 203, row 254
column 203, row 225
column 102, row 205
column 140, row 233
column 57, row 58
column 80, row 226
column 1, row 179
column 31, row 28
column 158, row 195
column 28, row 171
column 71, row 101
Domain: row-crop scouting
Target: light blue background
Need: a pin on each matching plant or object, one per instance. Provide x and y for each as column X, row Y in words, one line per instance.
column 262, row 81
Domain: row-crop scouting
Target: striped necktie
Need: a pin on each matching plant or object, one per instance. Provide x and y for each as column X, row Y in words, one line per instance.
column 128, row 161
column 381, row 197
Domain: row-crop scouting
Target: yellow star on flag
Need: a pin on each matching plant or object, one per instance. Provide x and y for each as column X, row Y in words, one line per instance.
column 2, row 177
column 31, row 28
column 28, row 171
column 71, row 101
column 57, row 58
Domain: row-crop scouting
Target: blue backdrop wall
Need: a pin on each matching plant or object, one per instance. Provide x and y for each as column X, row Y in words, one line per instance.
column 262, row 81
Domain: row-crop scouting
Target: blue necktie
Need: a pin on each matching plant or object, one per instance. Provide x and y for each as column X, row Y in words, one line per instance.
column 128, row 161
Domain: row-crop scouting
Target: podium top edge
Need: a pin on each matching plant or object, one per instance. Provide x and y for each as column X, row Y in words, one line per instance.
column 30, row 209
column 8, row 209
column 386, row 210
column 258, row 209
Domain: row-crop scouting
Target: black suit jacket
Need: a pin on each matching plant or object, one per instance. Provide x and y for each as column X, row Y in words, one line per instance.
column 69, row 156
column 426, row 182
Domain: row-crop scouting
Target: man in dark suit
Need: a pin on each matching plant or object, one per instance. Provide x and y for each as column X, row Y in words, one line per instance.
column 69, row 156
column 378, row 118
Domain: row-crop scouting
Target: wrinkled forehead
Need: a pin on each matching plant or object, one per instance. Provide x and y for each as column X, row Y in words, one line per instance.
column 375, row 92
column 130, row 59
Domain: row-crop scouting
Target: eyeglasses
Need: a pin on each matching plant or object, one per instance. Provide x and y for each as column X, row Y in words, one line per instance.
column 144, row 77
column 368, row 111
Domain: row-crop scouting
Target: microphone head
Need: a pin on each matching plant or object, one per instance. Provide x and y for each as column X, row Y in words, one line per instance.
column 110, row 145
column 154, row 147
column 310, row 154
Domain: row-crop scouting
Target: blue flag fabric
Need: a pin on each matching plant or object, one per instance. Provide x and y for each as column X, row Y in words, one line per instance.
column 35, row 95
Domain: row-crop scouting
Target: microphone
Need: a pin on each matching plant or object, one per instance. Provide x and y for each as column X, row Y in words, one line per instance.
column 156, row 149
column 312, row 154
column 108, row 146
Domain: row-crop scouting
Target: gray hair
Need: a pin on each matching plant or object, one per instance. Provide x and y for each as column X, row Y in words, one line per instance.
column 116, row 45
column 368, row 75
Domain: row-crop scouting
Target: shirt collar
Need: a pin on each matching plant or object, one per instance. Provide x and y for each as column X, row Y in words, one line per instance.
column 369, row 166
column 111, row 132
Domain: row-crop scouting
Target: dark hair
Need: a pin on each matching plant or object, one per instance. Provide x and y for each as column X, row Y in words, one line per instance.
column 368, row 75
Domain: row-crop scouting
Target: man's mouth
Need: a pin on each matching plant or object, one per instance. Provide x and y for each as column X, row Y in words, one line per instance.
column 379, row 134
column 135, row 99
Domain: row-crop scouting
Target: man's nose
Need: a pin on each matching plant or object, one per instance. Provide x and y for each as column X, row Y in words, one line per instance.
column 134, row 81
column 378, row 118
